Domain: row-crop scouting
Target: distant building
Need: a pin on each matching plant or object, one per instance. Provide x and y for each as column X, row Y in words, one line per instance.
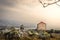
column 41, row 26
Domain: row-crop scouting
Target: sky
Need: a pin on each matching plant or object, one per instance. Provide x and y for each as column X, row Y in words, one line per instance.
column 29, row 13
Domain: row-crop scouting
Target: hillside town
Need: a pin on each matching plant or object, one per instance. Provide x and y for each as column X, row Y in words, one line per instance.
column 39, row 33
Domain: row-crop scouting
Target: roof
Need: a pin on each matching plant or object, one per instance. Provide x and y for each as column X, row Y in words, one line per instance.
column 41, row 22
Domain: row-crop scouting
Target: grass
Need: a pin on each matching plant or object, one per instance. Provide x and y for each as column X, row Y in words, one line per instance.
column 32, row 38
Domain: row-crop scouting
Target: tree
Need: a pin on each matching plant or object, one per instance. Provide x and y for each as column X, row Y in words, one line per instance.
column 22, row 27
column 12, row 28
column 52, row 30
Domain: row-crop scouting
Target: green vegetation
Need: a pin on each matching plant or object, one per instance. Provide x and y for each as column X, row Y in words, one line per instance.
column 15, row 34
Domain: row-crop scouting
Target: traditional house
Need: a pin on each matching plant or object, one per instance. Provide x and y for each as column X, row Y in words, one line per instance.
column 41, row 26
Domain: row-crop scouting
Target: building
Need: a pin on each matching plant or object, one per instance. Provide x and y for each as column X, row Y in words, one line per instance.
column 41, row 26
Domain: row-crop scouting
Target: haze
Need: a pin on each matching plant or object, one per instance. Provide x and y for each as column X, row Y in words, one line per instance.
column 29, row 12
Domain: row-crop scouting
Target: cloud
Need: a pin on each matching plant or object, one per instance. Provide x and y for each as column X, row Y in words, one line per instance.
column 13, row 3
column 7, row 3
column 28, row 12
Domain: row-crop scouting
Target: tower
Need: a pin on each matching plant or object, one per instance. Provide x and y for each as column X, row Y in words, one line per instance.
column 41, row 26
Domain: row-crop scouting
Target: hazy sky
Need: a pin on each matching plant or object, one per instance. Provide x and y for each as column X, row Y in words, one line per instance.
column 15, row 12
